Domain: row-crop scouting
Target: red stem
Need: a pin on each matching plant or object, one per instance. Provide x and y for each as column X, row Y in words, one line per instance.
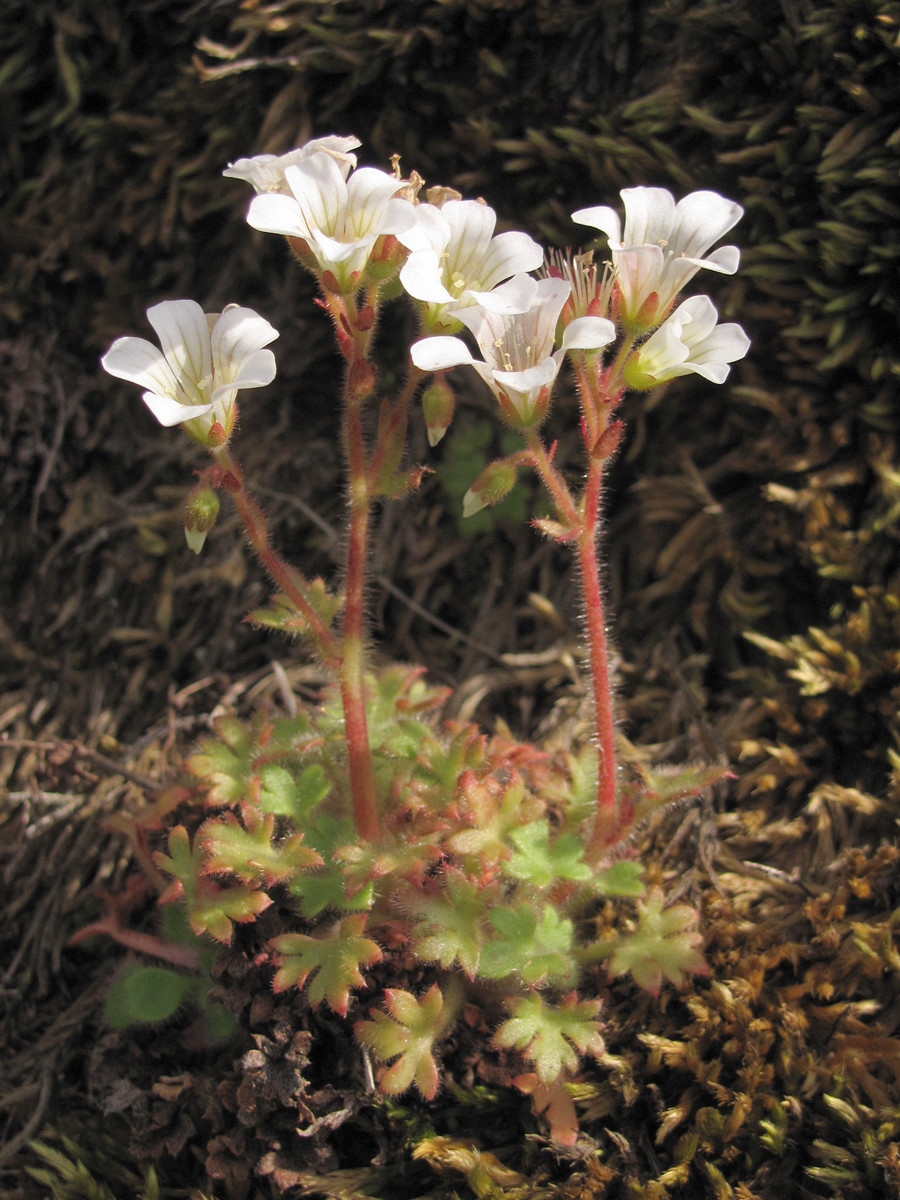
column 604, row 828
column 359, row 754
column 257, row 530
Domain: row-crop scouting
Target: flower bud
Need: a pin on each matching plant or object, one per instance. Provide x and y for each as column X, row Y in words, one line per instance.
column 386, row 259
column 437, row 406
column 200, row 512
column 496, row 481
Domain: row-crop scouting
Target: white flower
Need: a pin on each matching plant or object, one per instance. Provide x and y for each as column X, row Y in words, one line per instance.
column 689, row 341
column 339, row 219
column 457, row 262
column 663, row 245
column 519, row 363
column 206, row 358
column 266, row 171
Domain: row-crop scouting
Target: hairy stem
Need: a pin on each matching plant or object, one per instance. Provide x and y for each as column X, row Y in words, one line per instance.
column 284, row 577
column 354, row 335
column 359, row 755
column 598, row 653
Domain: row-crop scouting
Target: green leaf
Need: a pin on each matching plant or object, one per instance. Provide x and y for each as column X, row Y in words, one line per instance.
column 541, row 861
column 407, row 1035
column 210, row 908
column 283, row 614
column 230, row 767
column 622, row 878
column 492, row 809
column 249, row 852
column 327, row 888
column 661, row 945
column 552, row 1036
column 452, row 924
column 146, row 994
column 291, row 794
column 538, row 949
column 331, row 963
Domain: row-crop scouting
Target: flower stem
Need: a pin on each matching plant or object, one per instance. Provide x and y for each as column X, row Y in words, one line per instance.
column 353, row 336
column 600, row 393
column 359, row 755
column 288, row 580
column 595, row 620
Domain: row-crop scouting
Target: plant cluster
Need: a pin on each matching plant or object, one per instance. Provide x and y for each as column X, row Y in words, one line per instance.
column 424, row 873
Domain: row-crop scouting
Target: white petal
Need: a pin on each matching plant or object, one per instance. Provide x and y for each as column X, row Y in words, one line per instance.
column 440, row 353
column 515, row 296
column 509, row 254
column 398, row 216
column 697, row 318
column 256, row 371
column 337, row 146
column 183, row 333
column 321, row 193
column 257, row 171
column 169, row 412
column 588, row 333
column 421, row 276
column 274, row 213
column 649, row 215
column 531, row 380
column 236, row 337
column 471, row 226
column 602, row 218
column 700, row 219
column 638, row 273
column 726, row 260
column 368, row 193
column 430, row 230
column 140, row 362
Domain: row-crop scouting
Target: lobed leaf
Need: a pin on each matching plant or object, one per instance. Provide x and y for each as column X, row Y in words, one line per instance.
column 535, row 946
column 408, row 1035
column 552, row 1036
column 542, row 861
column 250, row 852
column 662, row 945
column 331, row 963
column 452, row 923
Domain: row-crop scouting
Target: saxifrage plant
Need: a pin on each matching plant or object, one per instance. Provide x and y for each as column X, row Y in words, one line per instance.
column 396, row 846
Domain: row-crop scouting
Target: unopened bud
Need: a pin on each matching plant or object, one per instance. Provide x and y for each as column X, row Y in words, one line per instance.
column 496, row 481
column 200, row 512
column 646, row 317
column 437, row 407
column 216, row 435
column 386, row 259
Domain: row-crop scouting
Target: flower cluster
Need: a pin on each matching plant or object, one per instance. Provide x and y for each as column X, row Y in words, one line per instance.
column 342, row 220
